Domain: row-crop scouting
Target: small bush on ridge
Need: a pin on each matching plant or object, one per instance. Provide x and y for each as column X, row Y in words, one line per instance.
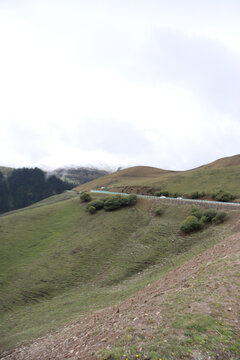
column 112, row 202
column 210, row 214
column 92, row 209
column 219, row 218
column 125, row 200
column 196, row 212
column 161, row 193
column 191, row 223
column 158, row 211
column 150, row 191
column 132, row 199
column 223, row 196
column 197, row 220
column 165, row 193
column 98, row 204
column 85, row 196
column 204, row 219
column 197, row 195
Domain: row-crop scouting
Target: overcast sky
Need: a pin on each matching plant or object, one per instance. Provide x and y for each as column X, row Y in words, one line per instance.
column 119, row 83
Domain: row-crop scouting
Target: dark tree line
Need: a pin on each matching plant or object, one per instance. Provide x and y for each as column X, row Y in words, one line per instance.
column 23, row 187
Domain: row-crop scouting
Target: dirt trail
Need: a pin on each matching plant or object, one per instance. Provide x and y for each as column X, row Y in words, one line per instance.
column 104, row 328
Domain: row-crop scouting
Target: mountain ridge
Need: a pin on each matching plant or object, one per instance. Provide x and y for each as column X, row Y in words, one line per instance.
column 220, row 174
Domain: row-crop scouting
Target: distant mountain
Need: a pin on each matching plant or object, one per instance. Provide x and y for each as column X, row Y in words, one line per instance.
column 79, row 175
column 220, row 174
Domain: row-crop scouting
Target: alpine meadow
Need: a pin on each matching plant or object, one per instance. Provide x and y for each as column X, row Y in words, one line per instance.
column 123, row 282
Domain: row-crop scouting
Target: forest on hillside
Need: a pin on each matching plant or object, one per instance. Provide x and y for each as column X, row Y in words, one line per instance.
column 25, row 186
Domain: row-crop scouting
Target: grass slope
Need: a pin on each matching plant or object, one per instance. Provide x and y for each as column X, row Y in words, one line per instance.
column 58, row 262
column 221, row 174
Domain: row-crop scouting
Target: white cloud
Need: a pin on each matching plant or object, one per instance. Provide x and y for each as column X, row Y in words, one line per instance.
column 134, row 82
column 201, row 65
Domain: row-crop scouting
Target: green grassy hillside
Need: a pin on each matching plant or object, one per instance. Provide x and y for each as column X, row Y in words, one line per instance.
column 58, row 262
column 221, row 174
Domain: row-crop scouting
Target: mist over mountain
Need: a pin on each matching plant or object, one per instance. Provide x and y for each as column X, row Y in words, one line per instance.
column 23, row 187
column 79, row 175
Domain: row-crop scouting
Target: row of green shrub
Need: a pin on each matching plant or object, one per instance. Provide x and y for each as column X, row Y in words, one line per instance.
column 198, row 219
column 197, row 195
column 223, row 196
column 108, row 203
column 220, row 195
column 162, row 193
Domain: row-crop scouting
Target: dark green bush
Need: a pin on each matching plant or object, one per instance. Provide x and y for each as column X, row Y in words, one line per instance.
column 150, row 191
column 223, row 196
column 219, row 218
column 129, row 200
column 85, row 196
column 158, row 211
column 196, row 212
column 210, row 214
column 92, row 209
column 195, row 195
column 98, row 204
column 198, row 219
column 125, row 200
column 112, row 202
column 165, row 193
column 161, row 193
column 191, row 223
column 204, row 219
column 132, row 199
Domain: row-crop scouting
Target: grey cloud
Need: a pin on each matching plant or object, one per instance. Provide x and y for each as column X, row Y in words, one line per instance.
column 200, row 64
column 26, row 141
column 111, row 49
column 114, row 137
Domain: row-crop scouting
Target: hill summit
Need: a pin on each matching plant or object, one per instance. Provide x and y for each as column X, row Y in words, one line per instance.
column 220, row 174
